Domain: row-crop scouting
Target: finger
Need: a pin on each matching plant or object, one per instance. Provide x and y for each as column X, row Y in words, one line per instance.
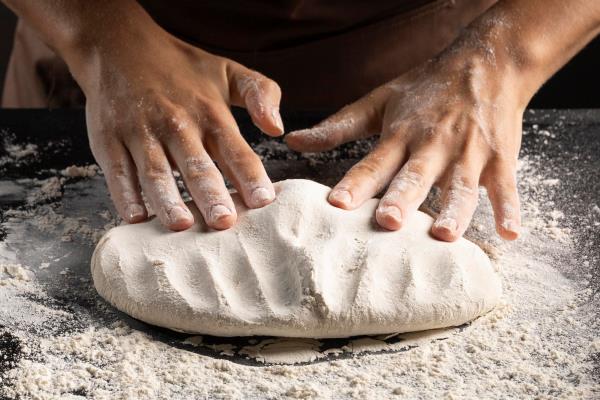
column 238, row 161
column 358, row 120
column 459, row 201
column 503, row 194
column 409, row 188
column 122, row 182
column 158, row 184
column 203, row 179
column 259, row 95
column 366, row 178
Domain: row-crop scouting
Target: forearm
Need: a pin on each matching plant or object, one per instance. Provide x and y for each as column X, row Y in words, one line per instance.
column 532, row 38
column 75, row 27
column 90, row 35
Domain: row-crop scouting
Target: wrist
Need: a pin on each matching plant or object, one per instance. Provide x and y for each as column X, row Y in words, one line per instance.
column 486, row 73
column 114, row 42
column 491, row 51
column 527, row 41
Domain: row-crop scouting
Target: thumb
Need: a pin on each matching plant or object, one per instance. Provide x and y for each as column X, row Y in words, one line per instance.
column 358, row 120
column 259, row 95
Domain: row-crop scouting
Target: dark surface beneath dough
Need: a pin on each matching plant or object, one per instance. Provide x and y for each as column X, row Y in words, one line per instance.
column 574, row 154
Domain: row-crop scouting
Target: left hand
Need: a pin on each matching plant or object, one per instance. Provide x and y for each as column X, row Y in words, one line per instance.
column 454, row 122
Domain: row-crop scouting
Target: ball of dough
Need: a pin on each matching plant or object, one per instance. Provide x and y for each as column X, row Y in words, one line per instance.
column 298, row 267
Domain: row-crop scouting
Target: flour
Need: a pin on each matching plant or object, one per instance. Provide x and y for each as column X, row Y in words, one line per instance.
column 500, row 353
column 539, row 343
column 16, row 154
column 76, row 171
column 15, row 271
column 549, row 222
column 42, row 212
column 46, row 219
column 49, row 189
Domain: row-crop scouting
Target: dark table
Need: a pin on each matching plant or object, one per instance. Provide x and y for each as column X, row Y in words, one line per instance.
column 573, row 153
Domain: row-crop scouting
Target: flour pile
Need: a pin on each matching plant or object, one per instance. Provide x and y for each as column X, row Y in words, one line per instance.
column 535, row 345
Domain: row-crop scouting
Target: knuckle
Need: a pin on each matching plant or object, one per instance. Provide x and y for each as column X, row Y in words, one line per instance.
column 173, row 123
column 178, row 119
column 429, row 132
column 407, row 181
column 155, row 170
column 392, row 197
column 366, row 168
column 214, row 196
column 463, row 186
column 396, row 130
column 212, row 118
column 198, row 168
column 328, row 139
column 462, row 181
column 501, row 171
column 250, row 84
column 245, row 158
column 104, row 141
column 326, row 133
column 502, row 190
column 269, row 86
column 208, row 108
column 415, row 166
column 117, row 169
column 149, row 99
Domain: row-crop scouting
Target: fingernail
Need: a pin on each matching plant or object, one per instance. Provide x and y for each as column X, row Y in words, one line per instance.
column 177, row 214
column 277, row 118
column 218, row 211
column 134, row 211
column 511, row 226
column 447, row 223
column 391, row 212
column 341, row 196
column 261, row 196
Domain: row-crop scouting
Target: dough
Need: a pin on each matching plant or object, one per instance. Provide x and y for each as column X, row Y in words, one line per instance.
column 298, row 267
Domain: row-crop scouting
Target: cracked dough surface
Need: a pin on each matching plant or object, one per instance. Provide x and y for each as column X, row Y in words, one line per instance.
column 298, row 267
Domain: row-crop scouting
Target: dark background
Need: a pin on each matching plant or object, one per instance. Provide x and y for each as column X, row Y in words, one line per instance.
column 577, row 85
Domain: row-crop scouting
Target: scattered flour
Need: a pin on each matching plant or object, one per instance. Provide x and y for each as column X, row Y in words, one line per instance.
column 15, row 271
column 540, row 343
column 43, row 212
column 16, row 154
column 75, row 171
column 49, row 189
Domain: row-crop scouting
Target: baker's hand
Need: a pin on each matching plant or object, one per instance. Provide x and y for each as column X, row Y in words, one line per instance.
column 155, row 103
column 454, row 122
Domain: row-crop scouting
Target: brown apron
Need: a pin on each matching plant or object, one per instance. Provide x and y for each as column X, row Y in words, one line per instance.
column 323, row 54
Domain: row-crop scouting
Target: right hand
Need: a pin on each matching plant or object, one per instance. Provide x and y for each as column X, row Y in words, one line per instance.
column 155, row 103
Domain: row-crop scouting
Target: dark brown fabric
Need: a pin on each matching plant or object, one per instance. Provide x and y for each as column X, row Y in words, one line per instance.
column 259, row 25
column 322, row 54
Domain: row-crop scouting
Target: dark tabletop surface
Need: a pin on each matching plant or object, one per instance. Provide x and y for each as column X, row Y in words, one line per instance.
column 574, row 152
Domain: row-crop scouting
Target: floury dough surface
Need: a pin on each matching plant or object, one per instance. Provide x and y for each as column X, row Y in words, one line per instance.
column 298, row 267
